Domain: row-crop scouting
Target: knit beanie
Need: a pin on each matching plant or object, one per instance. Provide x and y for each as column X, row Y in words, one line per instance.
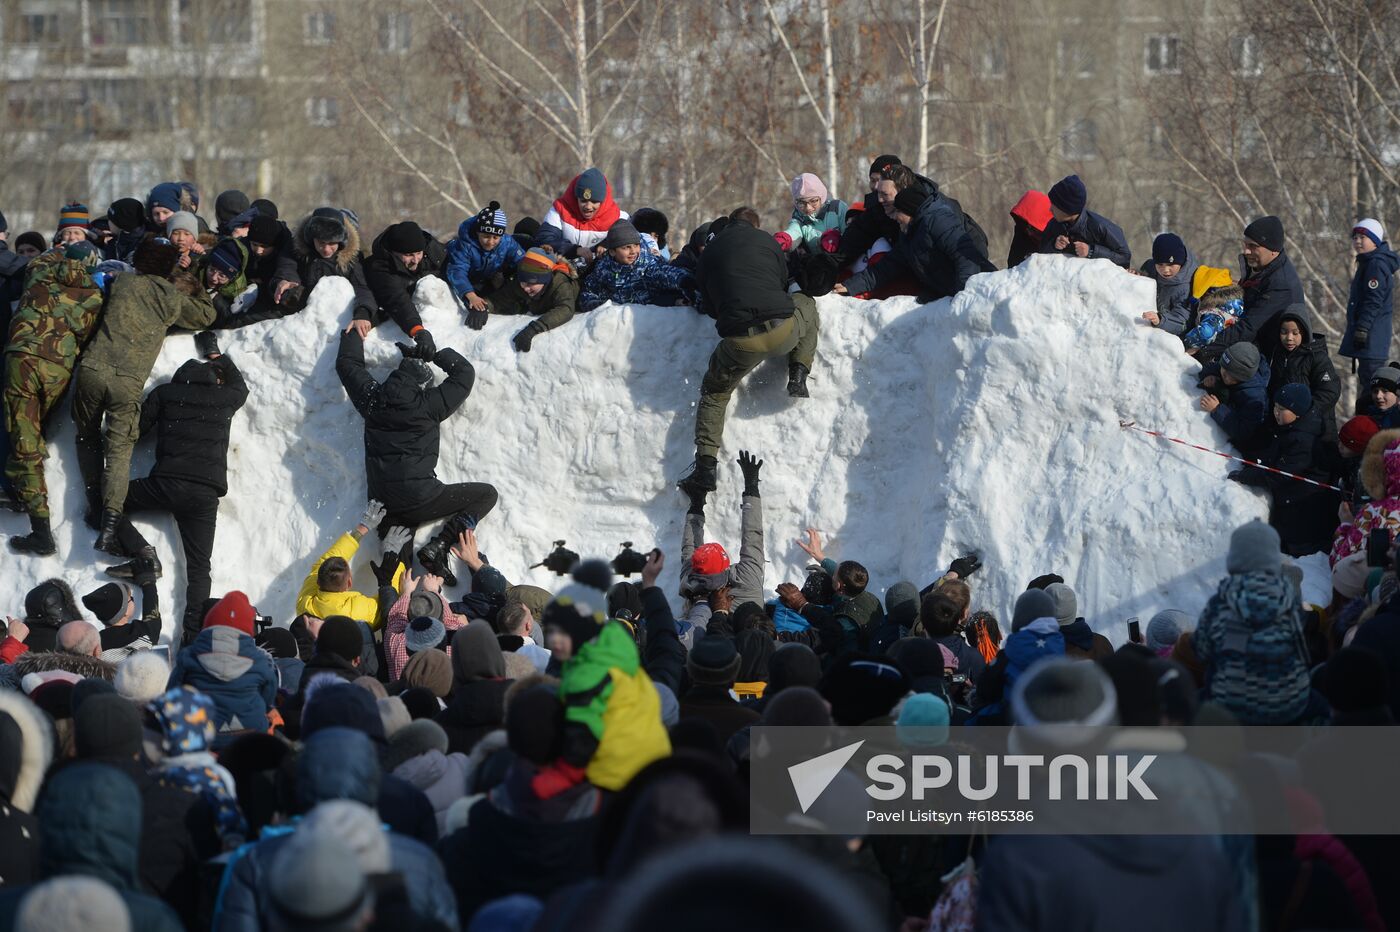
column 921, row 658
column 424, row 633
column 107, row 726
column 1165, row 628
column 793, row 664
column 126, row 214
column 808, row 185
column 1066, row 604
column 108, row 603
column 1357, row 432
column 264, row 231
column 70, row 903
column 1295, row 397
column 910, row 200
column 492, row 220
column 73, row 215
column 233, row 610
column 1254, row 547
column 230, row 204
column 333, row 704
column 713, row 661
column 1168, row 249
column 1387, row 377
column 420, row 701
column 181, row 220
column 1267, row 232
column 902, row 604
column 340, row 637
column 141, row 676
column 1069, row 195
column 413, row 740
column 1372, row 229
column 265, row 207
column 404, row 237
column 1060, row 691
column 591, row 186
column 1240, row 361
column 227, row 258
column 883, row 162
column 32, row 238
column 430, row 670
column 279, row 642
column 621, row 233
column 84, row 252
column 861, row 688
column 310, row 884
column 359, row 830
column 1031, row 605
column 536, row 267
column 923, row 721
column 535, row 724
column 88, row 688
column 166, row 194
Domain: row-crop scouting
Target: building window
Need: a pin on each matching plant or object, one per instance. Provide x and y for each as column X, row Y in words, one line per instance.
column 1244, row 56
column 322, row 111
column 1163, row 55
column 395, row 32
column 122, row 22
column 319, row 29
column 230, row 22
column 1075, row 58
column 1080, row 141
column 38, row 29
column 994, row 60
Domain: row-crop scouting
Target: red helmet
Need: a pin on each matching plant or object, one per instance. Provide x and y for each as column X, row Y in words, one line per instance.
column 709, row 560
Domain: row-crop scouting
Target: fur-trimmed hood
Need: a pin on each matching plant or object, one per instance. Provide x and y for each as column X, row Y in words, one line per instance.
column 1380, row 478
column 34, row 753
column 344, row 258
column 49, row 660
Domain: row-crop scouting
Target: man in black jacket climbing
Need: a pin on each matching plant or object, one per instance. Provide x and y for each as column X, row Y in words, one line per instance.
column 742, row 282
column 402, row 256
column 402, row 417
column 192, row 415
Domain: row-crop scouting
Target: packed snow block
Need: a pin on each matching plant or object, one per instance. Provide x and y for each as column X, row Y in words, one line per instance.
column 986, row 422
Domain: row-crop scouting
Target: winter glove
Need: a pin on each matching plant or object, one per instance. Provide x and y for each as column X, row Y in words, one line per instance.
column 427, row 349
column 294, row 298
column 410, row 350
column 1042, row 582
column 206, row 344
column 697, row 500
column 831, row 241
column 1360, row 337
column 524, row 338
column 784, row 241
column 966, row 565
column 395, row 540
column 792, row 597
column 750, row 467
column 373, row 514
column 476, row 319
column 384, row 571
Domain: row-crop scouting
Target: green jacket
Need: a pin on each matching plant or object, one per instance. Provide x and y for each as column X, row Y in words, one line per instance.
column 238, row 284
column 140, row 309
column 552, row 307
column 56, row 315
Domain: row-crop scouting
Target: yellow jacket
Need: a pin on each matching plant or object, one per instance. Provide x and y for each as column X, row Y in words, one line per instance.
column 312, row 601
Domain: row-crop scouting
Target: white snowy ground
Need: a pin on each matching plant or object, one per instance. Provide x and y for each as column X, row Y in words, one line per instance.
column 987, row 422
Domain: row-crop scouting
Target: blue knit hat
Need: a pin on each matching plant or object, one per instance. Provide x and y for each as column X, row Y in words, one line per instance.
column 166, row 194
column 923, row 721
column 591, row 186
column 227, row 258
column 1168, row 249
column 1069, row 195
column 1296, row 397
column 492, row 220
column 424, row 633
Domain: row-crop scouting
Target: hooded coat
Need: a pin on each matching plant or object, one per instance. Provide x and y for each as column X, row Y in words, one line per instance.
column 1380, row 475
column 304, row 266
column 442, row 778
column 806, row 229
column 402, row 422
column 1175, row 306
column 470, row 267
column 393, row 283
column 937, row 248
column 229, row 667
column 1268, row 292
column 649, row 280
column 1246, row 408
column 1029, row 218
column 26, row 750
column 552, row 307
column 477, row 705
column 1370, row 307
column 1311, row 365
column 192, row 414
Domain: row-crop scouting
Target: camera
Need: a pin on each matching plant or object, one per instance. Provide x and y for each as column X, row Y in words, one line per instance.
column 628, row 561
column 560, row 560
column 260, row 622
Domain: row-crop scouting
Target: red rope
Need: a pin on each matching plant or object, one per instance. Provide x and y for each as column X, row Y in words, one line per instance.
column 1129, row 425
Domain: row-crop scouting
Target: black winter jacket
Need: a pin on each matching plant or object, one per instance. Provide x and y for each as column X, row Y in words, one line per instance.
column 1267, row 294
column 1105, row 238
column 1304, row 515
column 743, row 279
column 401, row 422
column 192, row 414
column 1311, row 365
column 393, row 284
column 305, row 266
column 936, row 248
column 262, row 270
column 864, row 227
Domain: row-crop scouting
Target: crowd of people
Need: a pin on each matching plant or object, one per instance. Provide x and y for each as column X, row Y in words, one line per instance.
column 448, row 749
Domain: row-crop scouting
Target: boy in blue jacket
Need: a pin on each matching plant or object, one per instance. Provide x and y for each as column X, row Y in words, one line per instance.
column 629, row 274
column 226, row 665
column 1369, row 306
column 1077, row 231
column 479, row 258
column 1241, row 378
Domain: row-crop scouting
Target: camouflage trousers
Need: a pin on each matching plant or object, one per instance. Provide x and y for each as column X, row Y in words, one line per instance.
column 107, row 411
column 33, row 388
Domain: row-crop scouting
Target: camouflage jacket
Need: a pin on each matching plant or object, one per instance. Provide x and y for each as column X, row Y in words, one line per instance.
column 56, row 315
column 140, row 309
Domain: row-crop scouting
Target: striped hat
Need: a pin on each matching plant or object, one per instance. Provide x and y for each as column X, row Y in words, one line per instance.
column 73, row 215
column 536, row 268
column 492, row 220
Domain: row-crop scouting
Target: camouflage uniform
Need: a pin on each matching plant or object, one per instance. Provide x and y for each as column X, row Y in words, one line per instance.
column 57, row 313
column 113, row 371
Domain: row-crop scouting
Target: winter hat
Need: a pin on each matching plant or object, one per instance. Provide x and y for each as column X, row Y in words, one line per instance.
column 1030, row 605
column 1060, row 691
column 32, row 238
column 713, row 661
column 394, row 714
column 1240, row 361
column 265, row 207
column 166, row 194
column 404, row 237
column 413, row 740
column 71, row 903
column 536, row 267
column 310, row 887
column 227, row 258
column 233, row 610
column 108, row 602
column 264, row 231
column 340, row 637
column 861, row 687
column 650, row 220
column 279, row 642
column 230, row 204
column 902, row 604
column 621, row 233
column 1168, row 249
column 1254, row 547
column 476, row 654
column 792, row 665
column 107, row 726
column 73, row 215
column 82, row 251
column 910, row 200
column 425, row 602
column 141, row 676
column 625, row 602
column 424, row 633
column 922, row 660
column 1357, row 432
column 710, row 562
column 883, row 162
column 184, row 719
column 1387, row 377
column 1066, row 604
column 1355, row 680
column 89, row 688
column 336, row 704
column 420, row 701
column 800, row 705
column 808, row 185
column 535, row 724
column 515, row 913
column 526, row 227
column 491, row 220
column 1069, row 195
column 1349, row 575
column 818, row 586
column 591, row 186
column 371, row 685
column 326, row 224
column 430, row 670
column 1134, row 674
column 181, row 220
column 126, row 214
column 1165, row 628
column 1372, row 228
column 1295, row 397
column 1267, row 232
column 923, row 721
column 188, row 192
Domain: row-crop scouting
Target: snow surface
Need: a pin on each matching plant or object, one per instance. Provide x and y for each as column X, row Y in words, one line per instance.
column 989, row 421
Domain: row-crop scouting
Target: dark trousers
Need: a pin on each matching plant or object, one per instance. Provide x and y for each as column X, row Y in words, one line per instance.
column 195, row 507
column 473, row 498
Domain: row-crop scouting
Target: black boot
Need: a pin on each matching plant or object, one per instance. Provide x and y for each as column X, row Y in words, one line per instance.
column 128, row 570
column 703, row 477
column 797, row 380
column 435, row 557
column 92, row 517
column 38, row 541
column 107, row 534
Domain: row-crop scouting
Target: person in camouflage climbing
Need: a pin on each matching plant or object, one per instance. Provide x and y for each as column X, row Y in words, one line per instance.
column 55, row 317
column 113, row 371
